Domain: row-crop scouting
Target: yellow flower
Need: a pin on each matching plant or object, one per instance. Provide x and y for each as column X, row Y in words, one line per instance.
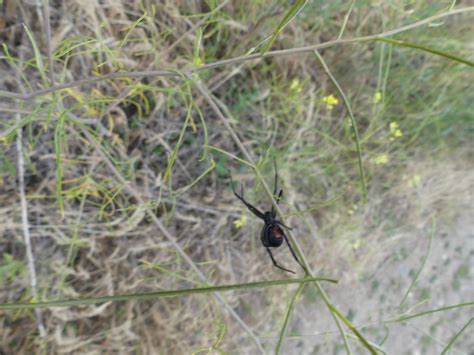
column 356, row 244
column 381, row 159
column 414, row 181
column 198, row 62
column 242, row 221
column 330, row 101
column 296, row 86
column 395, row 131
column 377, row 97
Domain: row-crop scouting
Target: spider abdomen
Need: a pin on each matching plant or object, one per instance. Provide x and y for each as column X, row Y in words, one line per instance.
column 274, row 236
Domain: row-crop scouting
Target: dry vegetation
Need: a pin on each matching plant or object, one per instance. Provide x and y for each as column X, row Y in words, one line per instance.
column 126, row 188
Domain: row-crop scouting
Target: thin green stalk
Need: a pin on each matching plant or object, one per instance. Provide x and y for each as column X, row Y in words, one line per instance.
column 195, row 181
column 387, row 71
column 37, row 54
column 426, row 49
column 319, row 206
column 453, row 339
column 415, row 279
column 230, row 155
column 290, row 16
column 375, row 346
column 131, row 28
column 354, row 329
column 58, row 139
column 354, row 123
column 286, row 319
column 160, row 294
column 206, row 135
column 421, row 314
column 174, row 154
column 346, row 18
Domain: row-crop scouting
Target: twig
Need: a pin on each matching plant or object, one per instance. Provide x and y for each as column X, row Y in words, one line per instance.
column 26, row 228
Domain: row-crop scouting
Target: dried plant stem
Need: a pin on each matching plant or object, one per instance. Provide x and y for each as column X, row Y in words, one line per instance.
column 132, row 191
column 26, row 229
column 47, row 25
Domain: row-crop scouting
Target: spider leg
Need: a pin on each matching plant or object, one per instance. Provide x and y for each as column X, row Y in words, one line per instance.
column 276, row 176
column 283, row 225
column 276, row 264
column 279, row 196
column 293, row 253
column 251, row 208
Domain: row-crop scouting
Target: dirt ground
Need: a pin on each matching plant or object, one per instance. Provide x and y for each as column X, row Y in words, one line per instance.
column 445, row 280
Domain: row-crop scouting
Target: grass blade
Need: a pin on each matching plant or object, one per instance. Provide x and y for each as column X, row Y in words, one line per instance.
column 426, row 49
column 195, row 181
column 290, row 15
column 288, row 311
column 58, row 141
column 37, row 54
column 415, row 279
column 346, row 18
column 453, row 339
column 446, row 308
column 352, row 118
column 230, row 155
column 160, row 294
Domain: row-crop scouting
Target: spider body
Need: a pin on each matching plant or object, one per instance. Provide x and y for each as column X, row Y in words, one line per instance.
column 272, row 235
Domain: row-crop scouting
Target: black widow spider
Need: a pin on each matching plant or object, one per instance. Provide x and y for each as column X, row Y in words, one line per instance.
column 272, row 234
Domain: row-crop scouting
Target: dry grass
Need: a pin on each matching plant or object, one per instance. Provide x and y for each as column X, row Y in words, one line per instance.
column 124, row 197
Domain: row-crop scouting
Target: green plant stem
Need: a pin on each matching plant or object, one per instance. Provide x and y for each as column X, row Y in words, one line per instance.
column 446, row 308
column 286, row 319
column 354, row 329
column 426, row 49
column 453, row 339
column 415, row 279
column 159, row 294
column 353, row 121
